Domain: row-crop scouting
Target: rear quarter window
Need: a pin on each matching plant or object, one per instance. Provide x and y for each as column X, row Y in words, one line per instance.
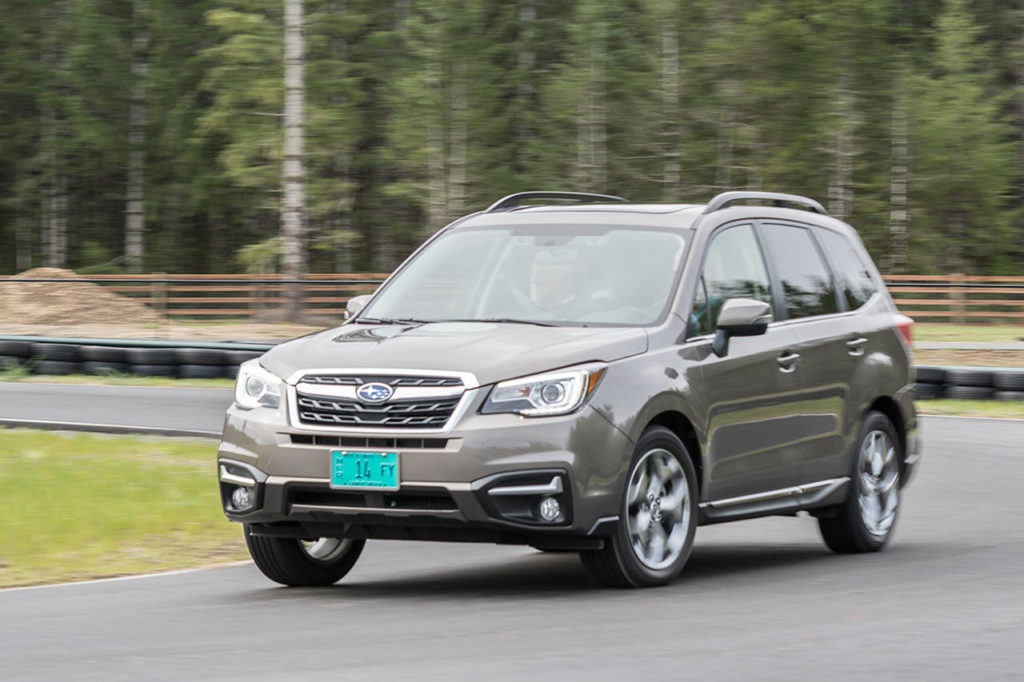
column 853, row 274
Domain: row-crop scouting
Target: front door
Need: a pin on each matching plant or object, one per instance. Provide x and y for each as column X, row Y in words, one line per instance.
column 751, row 394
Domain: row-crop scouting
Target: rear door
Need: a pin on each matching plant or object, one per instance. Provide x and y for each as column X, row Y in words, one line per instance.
column 749, row 393
column 828, row 346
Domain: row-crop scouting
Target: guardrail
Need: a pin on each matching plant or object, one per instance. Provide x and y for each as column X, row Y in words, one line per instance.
column 959, row 299
column 927, row 298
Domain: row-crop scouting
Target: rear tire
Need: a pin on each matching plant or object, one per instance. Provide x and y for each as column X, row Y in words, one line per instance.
column 657, row 517
column 865, row 522
column 298, row 563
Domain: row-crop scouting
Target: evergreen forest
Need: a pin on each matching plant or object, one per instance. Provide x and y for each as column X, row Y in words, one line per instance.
column 150, row 135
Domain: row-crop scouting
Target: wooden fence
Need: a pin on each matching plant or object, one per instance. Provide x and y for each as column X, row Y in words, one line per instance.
column 927, row 298
column 959, row 299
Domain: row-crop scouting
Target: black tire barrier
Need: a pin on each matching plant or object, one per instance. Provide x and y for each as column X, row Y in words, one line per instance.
column 150, row 356
column 930, row 375
column 154, row 370
column 60, row 352
column 970, row 377
column 231, row 371
column 970, row 392
column 1009, row 380
column 18, row 349
column 1009, row 396
column 200, row 371
column 928, row 391
column 57, row 368
column 11, row 362
column 102, row 368
column 102, row 354
column 237, row 357
column 199, row 356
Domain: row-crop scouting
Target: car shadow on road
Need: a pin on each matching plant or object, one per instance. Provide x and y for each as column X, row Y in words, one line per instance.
column 541, row 575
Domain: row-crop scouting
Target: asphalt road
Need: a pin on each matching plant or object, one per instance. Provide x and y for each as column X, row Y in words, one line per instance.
column 172, row 411
column 759, row 600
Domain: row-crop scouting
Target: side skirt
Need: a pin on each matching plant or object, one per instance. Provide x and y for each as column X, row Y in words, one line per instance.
column 782, row 501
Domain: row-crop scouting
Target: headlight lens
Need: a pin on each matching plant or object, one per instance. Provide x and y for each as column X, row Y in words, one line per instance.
column 545, row 394
column 256, row 387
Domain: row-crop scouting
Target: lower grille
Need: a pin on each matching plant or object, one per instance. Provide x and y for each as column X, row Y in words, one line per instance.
column 423, row 413
column 424, row 499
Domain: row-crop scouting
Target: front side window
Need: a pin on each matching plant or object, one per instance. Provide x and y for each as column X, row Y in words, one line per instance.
column 806, row 281
column 733, row 268
column 853, row 273
column 559, row 274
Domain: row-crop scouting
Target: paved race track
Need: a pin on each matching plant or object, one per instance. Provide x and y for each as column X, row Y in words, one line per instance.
column 174, row 411
column 760, row 600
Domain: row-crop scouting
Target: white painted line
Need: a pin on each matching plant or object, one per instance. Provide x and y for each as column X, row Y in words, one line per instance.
column 964, row 416
column 162, row 574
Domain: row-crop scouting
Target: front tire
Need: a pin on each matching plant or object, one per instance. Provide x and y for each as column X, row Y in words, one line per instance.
column 657, row 516
column 302, row 563
column 865, row 522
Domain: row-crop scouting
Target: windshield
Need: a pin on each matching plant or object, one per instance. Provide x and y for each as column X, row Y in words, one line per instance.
column 563, row 275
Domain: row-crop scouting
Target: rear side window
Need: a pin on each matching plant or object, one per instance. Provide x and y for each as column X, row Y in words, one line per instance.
column 733, row 268
column 853, row 273
column 805, row 280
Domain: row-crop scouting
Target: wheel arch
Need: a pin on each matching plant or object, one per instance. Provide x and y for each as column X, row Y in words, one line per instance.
column 891, row 409
column 679, row 424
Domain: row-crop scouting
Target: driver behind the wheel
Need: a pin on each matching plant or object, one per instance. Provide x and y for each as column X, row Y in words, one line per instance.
column 554, row 282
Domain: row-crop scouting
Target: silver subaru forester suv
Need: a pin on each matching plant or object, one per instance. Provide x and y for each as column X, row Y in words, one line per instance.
column 575, row 372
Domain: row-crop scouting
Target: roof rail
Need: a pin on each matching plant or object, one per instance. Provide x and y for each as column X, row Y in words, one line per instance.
column 516, row 200
column 777, row 199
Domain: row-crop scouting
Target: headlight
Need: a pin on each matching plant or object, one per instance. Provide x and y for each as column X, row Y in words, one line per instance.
column 541, row 395
column 256, row 387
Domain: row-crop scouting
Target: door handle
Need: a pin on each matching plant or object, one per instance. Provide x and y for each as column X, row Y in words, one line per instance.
column 787, row 361
column 856, row 345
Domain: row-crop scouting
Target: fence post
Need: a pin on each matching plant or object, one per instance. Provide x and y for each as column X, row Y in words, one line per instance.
column 957, row 298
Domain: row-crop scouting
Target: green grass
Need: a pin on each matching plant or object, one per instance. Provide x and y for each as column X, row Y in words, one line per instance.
column 972, row 408
column 77, row 506
column 995, row 333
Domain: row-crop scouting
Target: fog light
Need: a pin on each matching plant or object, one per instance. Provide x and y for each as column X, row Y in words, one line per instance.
column 549, row 509
column 241, row 498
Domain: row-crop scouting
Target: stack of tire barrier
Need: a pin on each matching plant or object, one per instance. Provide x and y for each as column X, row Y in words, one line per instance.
column 969, row 383
column 60, row 359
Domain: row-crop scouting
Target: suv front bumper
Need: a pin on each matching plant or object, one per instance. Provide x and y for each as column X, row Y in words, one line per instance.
column 481, row 480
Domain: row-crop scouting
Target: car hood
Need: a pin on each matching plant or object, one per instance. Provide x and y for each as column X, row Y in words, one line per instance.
column 490, row 351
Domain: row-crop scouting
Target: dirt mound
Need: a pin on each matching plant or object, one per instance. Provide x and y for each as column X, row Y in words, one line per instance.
column 68, row 302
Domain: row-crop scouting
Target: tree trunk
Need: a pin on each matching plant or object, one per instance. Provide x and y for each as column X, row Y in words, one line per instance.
column 437, row 202
column 899, row 179
column 526, row 61
column 840, row 186
column 592, row 134
column 343, row 261
column 54, row 202
column 293, row 208
column 135, row 209
column 458, row 143
column 670, row 87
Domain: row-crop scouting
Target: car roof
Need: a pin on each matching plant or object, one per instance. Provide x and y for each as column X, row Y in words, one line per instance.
column 681, row 216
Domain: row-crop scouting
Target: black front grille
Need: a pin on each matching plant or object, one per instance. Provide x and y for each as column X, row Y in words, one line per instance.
column 352, row 380
column 409, row 414
column 418, row 499
column 377, row 443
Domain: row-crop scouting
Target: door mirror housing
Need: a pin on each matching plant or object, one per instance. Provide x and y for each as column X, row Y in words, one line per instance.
column 740, row 317
column 355, row 305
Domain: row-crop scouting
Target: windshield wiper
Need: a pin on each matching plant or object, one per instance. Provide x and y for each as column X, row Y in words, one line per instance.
column 507, row 320
column 389, row 320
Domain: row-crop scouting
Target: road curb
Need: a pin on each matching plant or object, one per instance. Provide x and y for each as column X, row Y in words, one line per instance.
column 119, row 429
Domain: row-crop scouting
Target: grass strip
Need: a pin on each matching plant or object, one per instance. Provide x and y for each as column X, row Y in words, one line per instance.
column 78, row 506
column 972, row 408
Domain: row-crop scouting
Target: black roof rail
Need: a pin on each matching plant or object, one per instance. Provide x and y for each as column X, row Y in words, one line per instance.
column 517, row 199
column 777, row 199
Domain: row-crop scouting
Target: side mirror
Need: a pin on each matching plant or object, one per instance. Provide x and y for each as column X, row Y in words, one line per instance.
column 355, row 305
column 740, row 317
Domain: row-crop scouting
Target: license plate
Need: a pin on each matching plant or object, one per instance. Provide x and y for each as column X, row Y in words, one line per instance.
column 366, row 470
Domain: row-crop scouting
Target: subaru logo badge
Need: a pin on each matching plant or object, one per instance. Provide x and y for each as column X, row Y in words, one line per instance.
column 374, row 393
